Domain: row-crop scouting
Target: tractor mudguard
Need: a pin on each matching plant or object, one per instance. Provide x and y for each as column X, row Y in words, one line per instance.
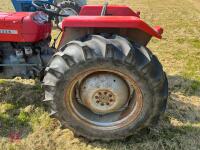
column 130, row 22
column 111, row 10
column 116, row 17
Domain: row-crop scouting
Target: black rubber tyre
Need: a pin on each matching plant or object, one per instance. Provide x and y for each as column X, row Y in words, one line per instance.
column 113, row 52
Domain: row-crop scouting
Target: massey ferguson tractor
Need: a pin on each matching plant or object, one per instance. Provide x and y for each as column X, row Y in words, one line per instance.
column 102, row 81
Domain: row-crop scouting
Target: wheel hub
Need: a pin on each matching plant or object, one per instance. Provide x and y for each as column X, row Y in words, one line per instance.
column 104, row 98
column 104, row 93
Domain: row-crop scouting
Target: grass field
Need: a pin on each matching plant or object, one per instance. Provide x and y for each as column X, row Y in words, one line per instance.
column 23, row 116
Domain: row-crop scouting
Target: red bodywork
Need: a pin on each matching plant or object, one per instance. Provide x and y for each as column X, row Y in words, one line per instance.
column 115, row 17
column 20, row 27
column 95, row 10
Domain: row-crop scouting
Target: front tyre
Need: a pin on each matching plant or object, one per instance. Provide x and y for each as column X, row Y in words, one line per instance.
column 105, row 88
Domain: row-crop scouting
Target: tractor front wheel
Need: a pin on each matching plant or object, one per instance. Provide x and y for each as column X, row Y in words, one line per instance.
column 105, row 88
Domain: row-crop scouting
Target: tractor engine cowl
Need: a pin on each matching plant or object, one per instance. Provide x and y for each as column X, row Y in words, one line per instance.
column 24, row 27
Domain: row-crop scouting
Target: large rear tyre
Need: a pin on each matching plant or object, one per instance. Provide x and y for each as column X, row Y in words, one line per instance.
column 105, row 88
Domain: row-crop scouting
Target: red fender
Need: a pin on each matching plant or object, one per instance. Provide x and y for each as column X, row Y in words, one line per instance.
column 111, row 22
column 111, row 10
column 116, row 17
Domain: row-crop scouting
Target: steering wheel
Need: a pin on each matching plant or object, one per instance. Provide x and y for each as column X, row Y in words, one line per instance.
column 48, row 8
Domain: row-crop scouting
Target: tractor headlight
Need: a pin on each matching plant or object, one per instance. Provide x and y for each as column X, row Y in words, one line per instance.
column 41, row 18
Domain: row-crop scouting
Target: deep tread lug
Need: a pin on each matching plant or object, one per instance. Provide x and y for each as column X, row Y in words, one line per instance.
column 130, row 58
column 53, row 113
column 54, row 72
column 110, row 51
column 69, row 60
column 88, row 52
column 47, row 100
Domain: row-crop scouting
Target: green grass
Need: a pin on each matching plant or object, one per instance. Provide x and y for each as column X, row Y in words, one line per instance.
column 21, row 111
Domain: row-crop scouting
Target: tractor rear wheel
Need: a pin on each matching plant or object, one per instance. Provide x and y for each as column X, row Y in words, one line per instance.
column 105, row 88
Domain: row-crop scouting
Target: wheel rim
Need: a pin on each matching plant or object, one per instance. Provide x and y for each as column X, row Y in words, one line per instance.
column 119, row 115
column 104, row 92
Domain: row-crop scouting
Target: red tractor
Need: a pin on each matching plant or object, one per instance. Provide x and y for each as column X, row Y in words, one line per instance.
column 102, row 82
